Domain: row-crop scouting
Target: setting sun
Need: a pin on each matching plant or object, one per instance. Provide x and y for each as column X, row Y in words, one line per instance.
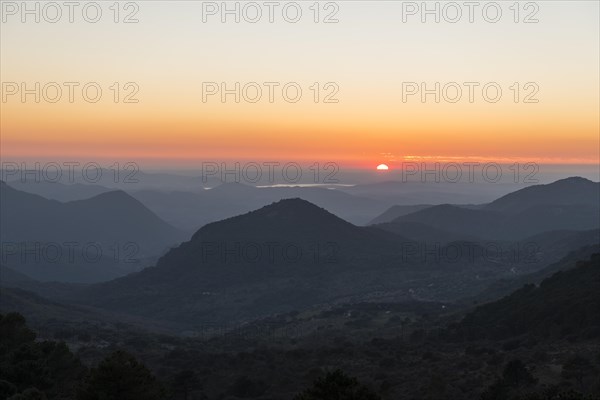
column 382, row 167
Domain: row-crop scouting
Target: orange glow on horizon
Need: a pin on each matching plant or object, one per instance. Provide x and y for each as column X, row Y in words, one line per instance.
column 172, row 124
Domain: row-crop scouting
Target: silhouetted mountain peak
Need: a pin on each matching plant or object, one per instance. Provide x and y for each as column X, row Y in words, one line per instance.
column 9, row 193
column 113, row 195
column 295, row 212
column 287, row 216
column 446, row 207
column 574, row 180
column 293, row 207
column 106, row 218
column 115, row 199
column 569, row 191
column 439, row 211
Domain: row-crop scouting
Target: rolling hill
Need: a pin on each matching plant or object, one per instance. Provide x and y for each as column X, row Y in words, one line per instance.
column 566, row 303
column 397, row 211
column 107, row 218
column 516, row 216
column 59, row 191
column 285, row 255
column 190, row 211
column 573, row 191
column 85, row 241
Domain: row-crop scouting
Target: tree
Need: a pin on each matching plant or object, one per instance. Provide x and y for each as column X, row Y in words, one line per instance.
column 337, row 386
column 245, row 387
column 417, row 335
column 405, row 322
column 120, row 377
column 514, row 377
column 7, row 389
column 25, row 364
column 29, row 394
column 496, row 391
column 14, row 331
column 186, row 382
column 578, row 368
column 549, row 395
column 437, row 387
column 516, row 374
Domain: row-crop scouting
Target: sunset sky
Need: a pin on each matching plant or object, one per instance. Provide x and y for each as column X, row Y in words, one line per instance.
column 368, row 55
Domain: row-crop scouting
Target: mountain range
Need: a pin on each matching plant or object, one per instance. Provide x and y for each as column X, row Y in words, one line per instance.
column 193, row 210
column 286, row 255
column 98, row 238
column 246, row 267
column 568, row 204
column 293, row 254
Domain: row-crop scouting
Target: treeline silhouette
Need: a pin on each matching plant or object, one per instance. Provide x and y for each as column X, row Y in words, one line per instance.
column 48, row 370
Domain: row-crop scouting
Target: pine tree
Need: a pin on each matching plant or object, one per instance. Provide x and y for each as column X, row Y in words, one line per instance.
column 337, row 386
column 121, row 377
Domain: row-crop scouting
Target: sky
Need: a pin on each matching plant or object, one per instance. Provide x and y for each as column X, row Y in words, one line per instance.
column 361, row 68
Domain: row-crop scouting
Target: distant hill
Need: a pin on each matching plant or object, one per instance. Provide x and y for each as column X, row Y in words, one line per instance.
column 504, row 287
column 422, row 232
column 568, row 303
column 107, row 218
column 462, row 221
column 37, row 308
column 573, row 191
column 126, row 177
column 557, row 244
column 530, row 211
column 568, row 204
column 48, row 316
column 50, row 262
column 59, row 191
column 397, row 211
column 9, row 276
column 430, row 192
column 191, row 211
